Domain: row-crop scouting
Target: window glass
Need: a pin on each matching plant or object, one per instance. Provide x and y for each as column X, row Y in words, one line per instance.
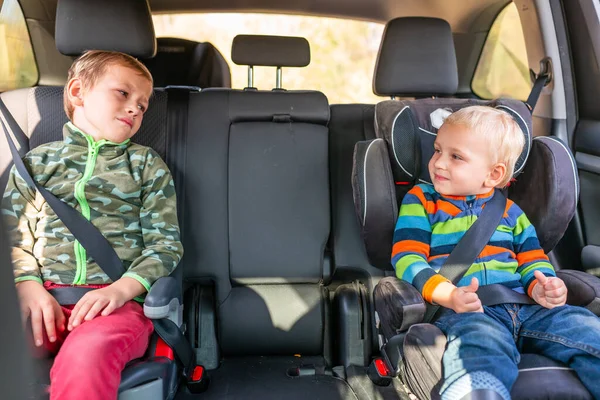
column 503, row 70
column 17, row 63
column 343, row 52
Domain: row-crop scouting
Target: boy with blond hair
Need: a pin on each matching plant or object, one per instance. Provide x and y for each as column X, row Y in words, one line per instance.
column 127, row 192
column 476, row 150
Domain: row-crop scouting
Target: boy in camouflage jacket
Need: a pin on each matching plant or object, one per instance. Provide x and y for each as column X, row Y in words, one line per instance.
column 127, row 192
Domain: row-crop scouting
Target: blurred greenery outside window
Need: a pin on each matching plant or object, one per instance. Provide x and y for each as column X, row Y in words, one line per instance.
column 343, row 52
column 17, row 62
column 502, row 70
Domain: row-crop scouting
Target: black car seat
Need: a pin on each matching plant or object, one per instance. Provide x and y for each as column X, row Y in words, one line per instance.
column 39, row 113
column 386, row 167
column 182, row 62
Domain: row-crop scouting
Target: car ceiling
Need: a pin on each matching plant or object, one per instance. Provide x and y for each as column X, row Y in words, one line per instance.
column 463, row 15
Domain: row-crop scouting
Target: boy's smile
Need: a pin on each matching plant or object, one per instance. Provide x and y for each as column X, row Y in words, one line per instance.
column 113, row 108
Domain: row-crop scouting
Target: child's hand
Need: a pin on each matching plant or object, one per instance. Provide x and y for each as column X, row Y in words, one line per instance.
column 43, row 309
column 549, row 292
column 464, row 299
column 104, row 301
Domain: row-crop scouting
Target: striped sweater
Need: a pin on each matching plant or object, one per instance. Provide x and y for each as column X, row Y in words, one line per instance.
column 430, row 226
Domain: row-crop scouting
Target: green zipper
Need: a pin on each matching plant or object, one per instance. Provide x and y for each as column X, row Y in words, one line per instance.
column 93, row 150
column 80, row 252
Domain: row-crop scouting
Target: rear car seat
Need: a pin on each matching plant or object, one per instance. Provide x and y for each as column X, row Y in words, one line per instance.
column 257, row 198
column 387, row 166
column 182, row 62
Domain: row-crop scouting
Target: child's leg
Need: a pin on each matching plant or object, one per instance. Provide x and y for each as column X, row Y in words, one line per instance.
column 480, row 353
column 90, row 361
column 567, row 334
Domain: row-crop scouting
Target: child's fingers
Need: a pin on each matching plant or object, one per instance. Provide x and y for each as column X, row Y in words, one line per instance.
column 556, row 294
column 112, row 306
column 49, row 321
column 543, row 279
column 84, row 306
column 36, row 326
column 98, row 306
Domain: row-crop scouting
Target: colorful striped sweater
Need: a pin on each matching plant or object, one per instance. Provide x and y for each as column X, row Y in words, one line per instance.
column 430, row 226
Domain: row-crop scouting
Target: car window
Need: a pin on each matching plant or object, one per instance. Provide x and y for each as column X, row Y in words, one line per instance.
column 17, row 62
column 502, row 70
column 343, row 52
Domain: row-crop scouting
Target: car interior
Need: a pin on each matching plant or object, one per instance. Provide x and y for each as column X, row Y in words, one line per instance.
column 287, row 203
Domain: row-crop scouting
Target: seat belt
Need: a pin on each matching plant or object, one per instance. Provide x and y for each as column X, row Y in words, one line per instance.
column 466, row 251
column 536, row 91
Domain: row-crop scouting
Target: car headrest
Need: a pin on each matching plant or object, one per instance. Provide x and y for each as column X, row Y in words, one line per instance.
column 117, row 25
column 409, row 128
column 270, row 51
column 181, row 62
column 416, row 58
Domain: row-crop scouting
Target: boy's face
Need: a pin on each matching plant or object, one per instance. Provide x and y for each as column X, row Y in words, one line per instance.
column 114, row 107
column 461, row 164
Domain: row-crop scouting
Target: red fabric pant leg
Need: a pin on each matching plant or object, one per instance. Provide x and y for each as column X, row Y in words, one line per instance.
column 92, row 356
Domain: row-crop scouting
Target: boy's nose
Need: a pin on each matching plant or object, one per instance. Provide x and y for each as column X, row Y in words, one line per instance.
column 439, row 163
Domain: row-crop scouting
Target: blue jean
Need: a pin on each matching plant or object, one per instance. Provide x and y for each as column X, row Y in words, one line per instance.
column 491, row 343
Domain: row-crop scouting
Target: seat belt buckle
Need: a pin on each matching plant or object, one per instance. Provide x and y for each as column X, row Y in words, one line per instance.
column 380, row 373
column 198, row 380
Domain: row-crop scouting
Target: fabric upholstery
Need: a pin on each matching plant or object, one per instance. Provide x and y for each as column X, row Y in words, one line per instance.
column 416, row 58
column 110, row 21
column 270, row 51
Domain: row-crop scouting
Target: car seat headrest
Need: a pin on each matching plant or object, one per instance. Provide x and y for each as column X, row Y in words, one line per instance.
column 410, row 127
column 416, row 58
column 270, row 51
column 117, row 25
column 181, row 62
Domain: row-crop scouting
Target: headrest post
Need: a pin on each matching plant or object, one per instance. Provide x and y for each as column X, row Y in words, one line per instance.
column 278, row 78
column 392, row 97
column 250, row 76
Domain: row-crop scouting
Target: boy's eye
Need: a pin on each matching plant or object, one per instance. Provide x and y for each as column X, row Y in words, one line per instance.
column 456, row 157
column 437, row 150
column 141, row 107
column 124, row 93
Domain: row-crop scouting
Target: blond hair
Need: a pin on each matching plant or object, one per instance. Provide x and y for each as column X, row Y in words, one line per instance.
column 91, row 65
column 503, row 134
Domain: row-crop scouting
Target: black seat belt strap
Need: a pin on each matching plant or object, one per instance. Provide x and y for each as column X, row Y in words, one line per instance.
column 536, row 91
column 471, row 244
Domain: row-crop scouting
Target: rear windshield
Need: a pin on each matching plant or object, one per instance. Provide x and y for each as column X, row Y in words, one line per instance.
column 343, row 52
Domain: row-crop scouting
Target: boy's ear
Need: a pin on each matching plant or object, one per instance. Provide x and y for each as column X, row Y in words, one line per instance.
column 496, row 175
column 75, row 92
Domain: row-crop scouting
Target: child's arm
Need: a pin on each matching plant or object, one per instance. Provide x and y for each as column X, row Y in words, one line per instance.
column 20, row 211
column 412, row 238
column 537, row 274
column 160, row 229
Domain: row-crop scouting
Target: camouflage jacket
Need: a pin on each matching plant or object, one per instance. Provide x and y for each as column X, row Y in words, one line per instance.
column 124, row 189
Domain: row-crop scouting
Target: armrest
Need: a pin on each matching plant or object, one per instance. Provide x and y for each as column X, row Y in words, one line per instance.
column 584, row 289
column 165, row 301
column 398, row 305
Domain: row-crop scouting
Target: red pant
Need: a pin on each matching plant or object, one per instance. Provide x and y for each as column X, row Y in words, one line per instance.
column 90, row 358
